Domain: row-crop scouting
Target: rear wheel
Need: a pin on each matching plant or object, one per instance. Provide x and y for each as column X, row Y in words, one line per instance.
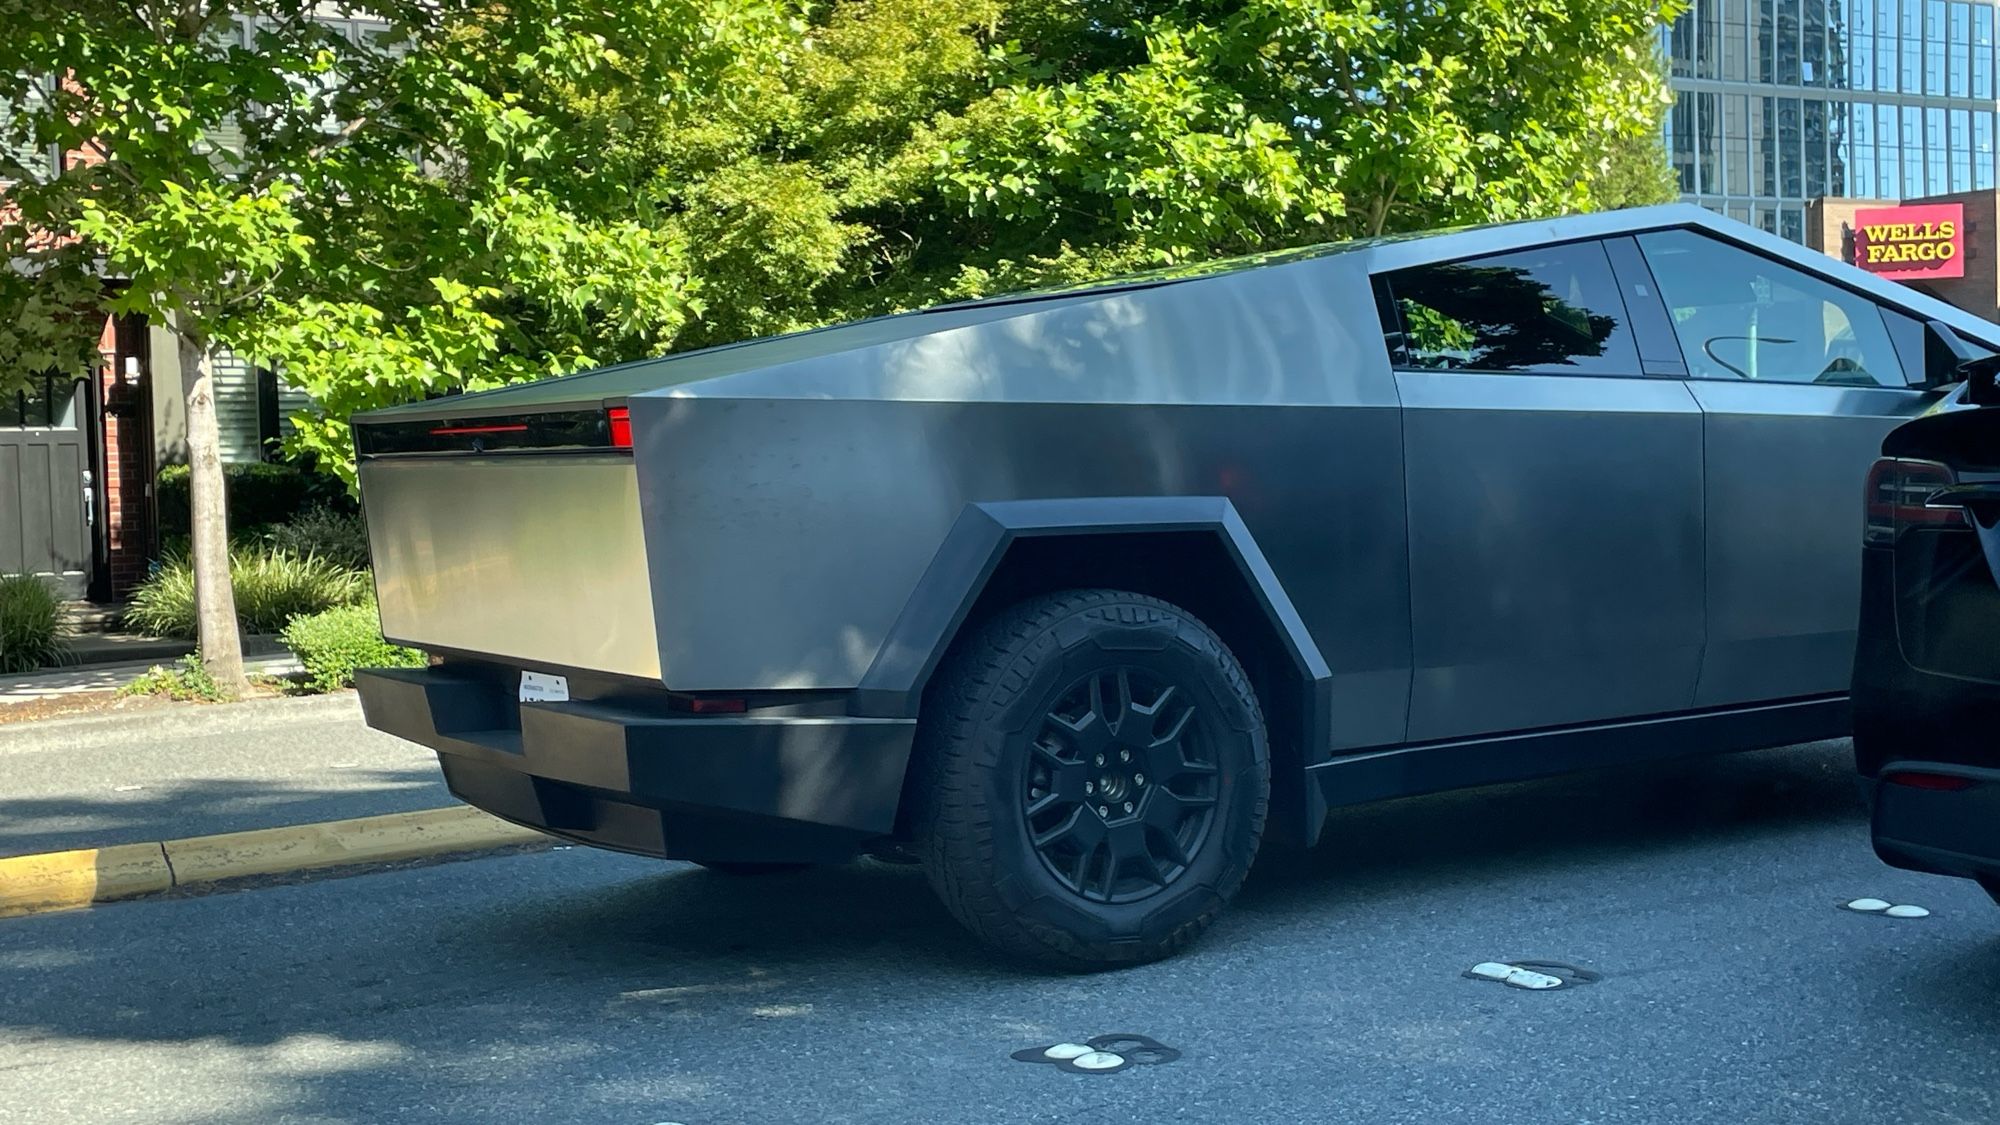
column 1092, row 779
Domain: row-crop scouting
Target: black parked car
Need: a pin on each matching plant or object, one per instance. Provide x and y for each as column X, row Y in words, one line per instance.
column 1927, row 670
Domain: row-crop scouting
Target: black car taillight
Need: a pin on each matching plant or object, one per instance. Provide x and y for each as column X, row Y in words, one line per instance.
column 1897, row 490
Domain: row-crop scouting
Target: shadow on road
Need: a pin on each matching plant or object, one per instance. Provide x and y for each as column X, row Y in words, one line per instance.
column 409, row 983
column 1566, row 822
column 201, row 806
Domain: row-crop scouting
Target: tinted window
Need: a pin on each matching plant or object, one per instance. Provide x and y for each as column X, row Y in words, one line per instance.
column 1743, row 316
column 1554, row 309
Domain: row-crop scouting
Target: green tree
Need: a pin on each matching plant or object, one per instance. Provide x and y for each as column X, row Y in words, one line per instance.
column 1631, row 168
column 493, row 192
column 366, row 214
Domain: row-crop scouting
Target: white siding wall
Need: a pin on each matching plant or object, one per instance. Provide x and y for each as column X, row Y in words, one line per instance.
column 236, row 408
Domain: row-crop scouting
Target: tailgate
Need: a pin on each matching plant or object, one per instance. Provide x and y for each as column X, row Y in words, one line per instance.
column 536, row 558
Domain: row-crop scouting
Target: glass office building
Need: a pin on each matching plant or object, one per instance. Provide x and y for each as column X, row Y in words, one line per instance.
column 1778, row 102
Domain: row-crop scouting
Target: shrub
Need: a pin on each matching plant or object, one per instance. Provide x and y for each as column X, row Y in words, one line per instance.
column 323, row 533
column 259, row 495
column 31, row 625
column 334, row 643
column 187, row 682
column 271, row 588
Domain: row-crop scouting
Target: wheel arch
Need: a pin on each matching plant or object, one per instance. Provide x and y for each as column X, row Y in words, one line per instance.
column 1194, row 552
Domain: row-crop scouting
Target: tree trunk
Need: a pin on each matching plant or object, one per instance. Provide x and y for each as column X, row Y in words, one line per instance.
column 215, row 599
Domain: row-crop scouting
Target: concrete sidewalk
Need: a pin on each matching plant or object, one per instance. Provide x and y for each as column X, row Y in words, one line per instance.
column 170, row 772
column 262, row 656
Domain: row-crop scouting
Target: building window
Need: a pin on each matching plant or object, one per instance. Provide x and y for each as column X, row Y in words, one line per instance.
column 1709, row 122
column 1888, row 146
column 1681, row 39
column 1764, row 146
column 1913, row 152
column 1791, row 184
column 1736, row 129
column 1860, row 46
column 1961, row 150
column 1735, row 35
column 1861, row 142
column 1934, row 26
column 1812, row 66
column 1840, row 154
column 1982, row 52
column 1959, row 82
column 1682, row 129
column 1763, row 29
column 1815, row 154
column 1909, row 33
column 1789, row 47
column 1936, row 177
column 1982, row 150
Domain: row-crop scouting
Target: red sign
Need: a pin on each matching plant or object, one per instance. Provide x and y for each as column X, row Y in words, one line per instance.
column 1914, row 243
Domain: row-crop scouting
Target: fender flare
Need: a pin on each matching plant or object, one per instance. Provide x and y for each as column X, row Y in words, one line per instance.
column 978, row 541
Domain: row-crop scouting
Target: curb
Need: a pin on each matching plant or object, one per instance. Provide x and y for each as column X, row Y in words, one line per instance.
column 51, row 881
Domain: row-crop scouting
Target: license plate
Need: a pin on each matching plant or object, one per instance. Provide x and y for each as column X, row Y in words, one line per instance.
column 539, row 688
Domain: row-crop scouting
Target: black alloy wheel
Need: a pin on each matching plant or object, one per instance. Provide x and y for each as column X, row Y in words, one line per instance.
column 1120, row 792
column 1090, row 779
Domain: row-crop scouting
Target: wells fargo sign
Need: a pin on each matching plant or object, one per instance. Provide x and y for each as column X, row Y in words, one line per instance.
column 1911, row 243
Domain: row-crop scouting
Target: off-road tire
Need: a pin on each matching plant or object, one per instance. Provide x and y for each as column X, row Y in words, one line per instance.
column 981, row 711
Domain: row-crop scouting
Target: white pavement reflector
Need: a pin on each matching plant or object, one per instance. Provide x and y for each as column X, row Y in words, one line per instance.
column 1884, row 909
column 1515, row 975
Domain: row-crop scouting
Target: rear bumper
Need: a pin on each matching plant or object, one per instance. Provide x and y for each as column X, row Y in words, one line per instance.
column 1946, row 832
column 743, row 788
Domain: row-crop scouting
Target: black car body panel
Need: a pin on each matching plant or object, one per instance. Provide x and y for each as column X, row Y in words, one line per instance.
column 1927, row 668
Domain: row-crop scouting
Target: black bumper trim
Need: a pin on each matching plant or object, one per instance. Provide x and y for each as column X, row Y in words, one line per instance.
column 1944, row 832
column 639, row 780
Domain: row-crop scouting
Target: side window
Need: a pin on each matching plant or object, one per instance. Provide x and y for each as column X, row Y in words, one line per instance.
column 1551, row 310
column 1740, row 315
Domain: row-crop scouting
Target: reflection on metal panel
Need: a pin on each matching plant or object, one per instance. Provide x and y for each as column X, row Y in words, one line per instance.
column 535, row 558
column 1786, row 464
column 1555, row 549
column 822, row 515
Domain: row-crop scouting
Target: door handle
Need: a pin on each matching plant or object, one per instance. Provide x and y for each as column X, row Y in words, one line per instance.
column 89, row 500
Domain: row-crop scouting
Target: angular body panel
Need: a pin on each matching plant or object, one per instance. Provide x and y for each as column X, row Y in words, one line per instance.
column 551, row 548
column 1503, row 566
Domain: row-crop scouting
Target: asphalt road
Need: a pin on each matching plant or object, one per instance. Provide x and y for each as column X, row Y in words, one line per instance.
column 170, row 772
column 576, row 986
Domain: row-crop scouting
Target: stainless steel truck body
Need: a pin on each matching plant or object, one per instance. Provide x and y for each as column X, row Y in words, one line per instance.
column 1464, row 508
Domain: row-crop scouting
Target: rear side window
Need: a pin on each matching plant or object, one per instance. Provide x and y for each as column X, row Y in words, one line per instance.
column 1551, row 310
column 1740, row 315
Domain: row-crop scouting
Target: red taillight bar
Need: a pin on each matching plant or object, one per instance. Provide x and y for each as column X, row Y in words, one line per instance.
column 621, row 426
column 1939, row 782
column 506, row 428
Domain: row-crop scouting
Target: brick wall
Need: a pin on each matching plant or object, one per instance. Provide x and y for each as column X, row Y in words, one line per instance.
column 125, row 495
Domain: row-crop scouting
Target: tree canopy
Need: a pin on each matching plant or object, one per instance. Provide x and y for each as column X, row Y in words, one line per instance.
column 485, row 192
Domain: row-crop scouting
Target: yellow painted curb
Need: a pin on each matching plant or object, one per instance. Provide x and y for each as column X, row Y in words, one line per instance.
column 32, row 884
column 368, row 839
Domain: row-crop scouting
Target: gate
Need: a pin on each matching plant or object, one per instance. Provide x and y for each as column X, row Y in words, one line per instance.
column 46, row 500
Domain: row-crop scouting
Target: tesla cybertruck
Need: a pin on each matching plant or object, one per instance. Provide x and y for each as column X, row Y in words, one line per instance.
column 1077, row 597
